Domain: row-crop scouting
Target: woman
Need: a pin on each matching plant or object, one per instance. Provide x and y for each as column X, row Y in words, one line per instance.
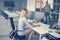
column 21, row 25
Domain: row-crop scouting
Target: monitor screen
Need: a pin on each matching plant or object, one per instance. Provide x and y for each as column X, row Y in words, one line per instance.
column 8, row 3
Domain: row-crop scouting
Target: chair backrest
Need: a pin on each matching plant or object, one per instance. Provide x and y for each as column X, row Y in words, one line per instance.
column 30, row 14
column 12, row 23
column 4, row 14
column 38, row 16
column 4, row 24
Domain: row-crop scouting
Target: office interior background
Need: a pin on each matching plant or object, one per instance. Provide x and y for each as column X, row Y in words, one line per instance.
column 36, row 10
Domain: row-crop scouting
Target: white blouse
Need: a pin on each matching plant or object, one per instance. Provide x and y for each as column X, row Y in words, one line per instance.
column 21, row 25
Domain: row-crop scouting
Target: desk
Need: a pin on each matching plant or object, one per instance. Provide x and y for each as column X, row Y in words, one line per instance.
column 43, row 29
column 53, row 33
column 12, row 14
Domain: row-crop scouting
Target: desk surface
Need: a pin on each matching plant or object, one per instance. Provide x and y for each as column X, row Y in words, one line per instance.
column 42, row 29
column 53, row 33
column 12, row 14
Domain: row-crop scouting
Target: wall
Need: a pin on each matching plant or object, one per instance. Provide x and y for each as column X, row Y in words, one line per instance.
column 19, row 4
column 31, row 5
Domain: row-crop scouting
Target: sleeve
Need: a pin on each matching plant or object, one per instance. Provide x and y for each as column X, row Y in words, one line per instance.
column 27, row 23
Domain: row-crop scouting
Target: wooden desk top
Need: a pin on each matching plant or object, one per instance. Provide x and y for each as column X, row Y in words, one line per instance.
column 42, row 29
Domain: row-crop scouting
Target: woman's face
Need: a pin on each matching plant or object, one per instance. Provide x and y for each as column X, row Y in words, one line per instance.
column 24, row 12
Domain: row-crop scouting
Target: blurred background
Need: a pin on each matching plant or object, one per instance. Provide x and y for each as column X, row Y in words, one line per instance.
column 46, row 11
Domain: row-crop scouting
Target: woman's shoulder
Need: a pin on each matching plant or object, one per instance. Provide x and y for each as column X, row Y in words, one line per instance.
column 22, row 19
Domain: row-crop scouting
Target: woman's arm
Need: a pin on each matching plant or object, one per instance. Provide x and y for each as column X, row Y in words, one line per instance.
column 28, row 30
column 27, row 23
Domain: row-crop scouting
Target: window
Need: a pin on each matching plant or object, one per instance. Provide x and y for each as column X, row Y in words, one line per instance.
column 40, row 4
column 56, row 5
column 8, row 3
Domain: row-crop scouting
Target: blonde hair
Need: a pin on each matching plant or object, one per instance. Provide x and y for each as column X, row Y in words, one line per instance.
column 23, row 13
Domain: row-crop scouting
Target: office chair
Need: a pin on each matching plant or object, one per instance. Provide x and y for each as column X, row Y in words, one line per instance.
column 53, row 19
column 13, row 34
column 50, row 37
column 38, row 16
column 12, row 23
column 30, row 15
column 4, row 14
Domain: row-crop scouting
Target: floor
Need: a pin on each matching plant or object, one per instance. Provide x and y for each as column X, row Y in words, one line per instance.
column 4, row 37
